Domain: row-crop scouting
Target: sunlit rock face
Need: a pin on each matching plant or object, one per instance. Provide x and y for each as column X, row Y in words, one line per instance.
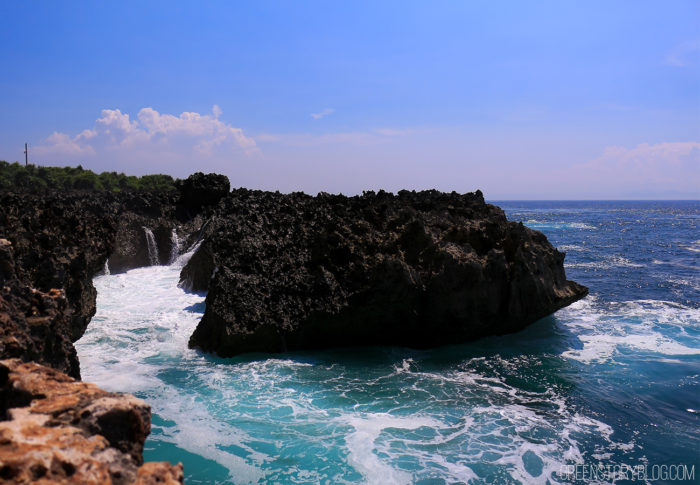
column 286, row 272
column 57, row 429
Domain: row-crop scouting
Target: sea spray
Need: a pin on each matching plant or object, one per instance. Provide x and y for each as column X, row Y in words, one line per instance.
column 152, row 247
column 174, row 246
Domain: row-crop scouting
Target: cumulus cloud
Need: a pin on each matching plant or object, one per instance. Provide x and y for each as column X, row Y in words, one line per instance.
column 321, row 114
column 153, row 139
column 63, row 144
column 684, row 54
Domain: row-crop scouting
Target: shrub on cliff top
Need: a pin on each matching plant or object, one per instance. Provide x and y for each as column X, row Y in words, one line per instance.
column 14, row 176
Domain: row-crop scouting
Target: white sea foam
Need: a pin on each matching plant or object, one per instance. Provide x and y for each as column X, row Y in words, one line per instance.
column 361, row 445
column 694, row 284
column 659, row 327
column 571, row 247
column 692, row 247
column 256, row 417
column 539, row 224
column 606, row 263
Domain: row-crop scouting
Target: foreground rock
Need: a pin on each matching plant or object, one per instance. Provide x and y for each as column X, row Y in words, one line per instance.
column 56, row 429
column 288, row 272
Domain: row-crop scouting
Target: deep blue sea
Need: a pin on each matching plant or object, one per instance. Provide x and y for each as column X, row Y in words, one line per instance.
column 606, row 390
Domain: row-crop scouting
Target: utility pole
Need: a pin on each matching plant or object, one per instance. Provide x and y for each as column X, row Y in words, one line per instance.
column 26, row 155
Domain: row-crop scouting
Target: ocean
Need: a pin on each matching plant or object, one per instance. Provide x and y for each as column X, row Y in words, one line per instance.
column 605, row 390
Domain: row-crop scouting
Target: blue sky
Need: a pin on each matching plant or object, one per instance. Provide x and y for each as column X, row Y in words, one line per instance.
column 529, row 100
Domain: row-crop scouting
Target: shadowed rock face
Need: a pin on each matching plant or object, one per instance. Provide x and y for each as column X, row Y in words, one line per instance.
column 52, row 428
column 51, row 248
column 287, row 272
column 199, row 191
column 56, row 429
column 53, row 244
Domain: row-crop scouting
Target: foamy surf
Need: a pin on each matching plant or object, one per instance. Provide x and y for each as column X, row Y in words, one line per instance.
column 612, row 378
column 390, row 421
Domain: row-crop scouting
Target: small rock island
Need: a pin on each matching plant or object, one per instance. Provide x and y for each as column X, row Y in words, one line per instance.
column 417, row 269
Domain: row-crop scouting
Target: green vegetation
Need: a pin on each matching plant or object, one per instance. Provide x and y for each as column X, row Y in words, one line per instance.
column 37, row 178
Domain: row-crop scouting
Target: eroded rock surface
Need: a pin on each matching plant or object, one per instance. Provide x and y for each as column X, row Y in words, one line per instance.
column 51, row 248
column 52, row 244
column 59, row 430
column 287, row 272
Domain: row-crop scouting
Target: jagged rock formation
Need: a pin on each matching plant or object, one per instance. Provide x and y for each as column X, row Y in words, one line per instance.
column 183, row 211
column 283, row 272
column 287, row 272
column 53, row 244
column 199, row 191
column 55, row 429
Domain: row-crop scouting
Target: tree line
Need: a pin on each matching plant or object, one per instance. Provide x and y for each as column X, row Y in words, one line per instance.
column 39, row 178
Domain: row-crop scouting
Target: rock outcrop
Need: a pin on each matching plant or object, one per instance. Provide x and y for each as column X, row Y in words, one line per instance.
column 169, row 217
column 287, row 272
column 53, row 244
column 58, row 430
column 199, row 191
column 52, row 247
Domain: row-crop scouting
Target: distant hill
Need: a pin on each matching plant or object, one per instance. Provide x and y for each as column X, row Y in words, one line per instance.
column 36, row 178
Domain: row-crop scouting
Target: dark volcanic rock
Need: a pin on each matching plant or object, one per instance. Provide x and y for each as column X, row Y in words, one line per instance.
column 289, row 272
column 200, row 190
column 52, row 247
column 53, row 244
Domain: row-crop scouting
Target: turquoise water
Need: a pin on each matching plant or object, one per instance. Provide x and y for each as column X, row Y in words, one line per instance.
column 612, row 380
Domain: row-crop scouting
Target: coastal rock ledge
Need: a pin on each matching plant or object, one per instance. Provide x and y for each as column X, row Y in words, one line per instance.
column 55, row 429
column 416, row 269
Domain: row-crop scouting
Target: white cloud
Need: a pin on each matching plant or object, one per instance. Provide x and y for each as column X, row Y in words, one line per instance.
column 63, row 144
column 321, row 114
column 649, row 157
column 152, row 140
column 684, row 54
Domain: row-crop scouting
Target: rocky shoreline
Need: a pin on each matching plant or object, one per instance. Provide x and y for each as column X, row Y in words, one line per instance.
column 282, row 272
column 51, row 246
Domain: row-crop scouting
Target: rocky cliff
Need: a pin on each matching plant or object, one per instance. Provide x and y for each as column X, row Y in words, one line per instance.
column 51, row 247
column 53, row 244
column 52, row 428
column 287, row 272
column 283, row 272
